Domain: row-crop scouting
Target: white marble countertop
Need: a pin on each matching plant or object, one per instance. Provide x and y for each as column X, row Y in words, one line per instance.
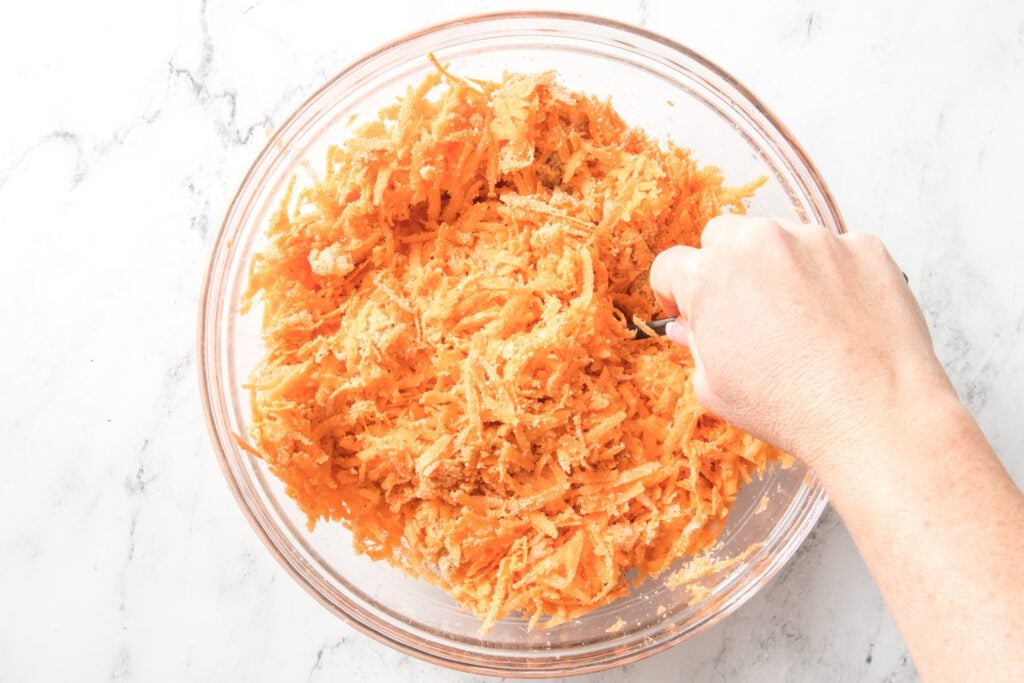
column 126, row 128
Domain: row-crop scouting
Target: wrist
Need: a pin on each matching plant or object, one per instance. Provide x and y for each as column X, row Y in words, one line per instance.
column 889, row 428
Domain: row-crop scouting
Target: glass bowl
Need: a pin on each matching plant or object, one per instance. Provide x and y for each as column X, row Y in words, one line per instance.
column 654, row 83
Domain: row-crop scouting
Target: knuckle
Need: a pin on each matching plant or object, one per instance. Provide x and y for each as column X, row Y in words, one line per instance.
column 860, row 240
column 727, row 229
column 717, row 222
column 761, row 231
column 866, row 243
column 716, row 229
column 759, row 224
column 663, row 261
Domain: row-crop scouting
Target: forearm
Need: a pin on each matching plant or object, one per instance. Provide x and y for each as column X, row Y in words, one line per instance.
column 941, row 526
column 815, row 343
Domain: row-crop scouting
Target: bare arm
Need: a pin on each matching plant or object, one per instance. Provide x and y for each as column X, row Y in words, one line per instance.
column 816, row 344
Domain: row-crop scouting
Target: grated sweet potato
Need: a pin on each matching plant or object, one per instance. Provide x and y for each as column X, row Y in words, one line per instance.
column 448, row 371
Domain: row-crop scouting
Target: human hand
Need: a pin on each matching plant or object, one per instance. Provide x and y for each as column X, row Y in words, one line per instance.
column 801, row 338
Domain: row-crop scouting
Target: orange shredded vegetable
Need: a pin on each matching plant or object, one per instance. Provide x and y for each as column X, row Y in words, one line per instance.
column 448, row 371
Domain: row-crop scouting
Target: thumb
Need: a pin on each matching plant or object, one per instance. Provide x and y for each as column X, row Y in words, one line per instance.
column 673, row 277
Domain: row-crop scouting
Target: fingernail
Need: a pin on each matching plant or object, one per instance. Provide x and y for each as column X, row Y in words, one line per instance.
column 677, row 333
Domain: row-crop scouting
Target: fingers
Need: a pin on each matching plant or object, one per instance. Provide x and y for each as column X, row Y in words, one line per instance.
column 679, row 332
column 683, row 335
column 673, row 276
column 701, row 387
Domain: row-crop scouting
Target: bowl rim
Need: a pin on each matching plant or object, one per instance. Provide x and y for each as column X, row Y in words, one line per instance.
column 816, row 497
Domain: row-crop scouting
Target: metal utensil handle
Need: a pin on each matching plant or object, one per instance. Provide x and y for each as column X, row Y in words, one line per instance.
column 657, row 326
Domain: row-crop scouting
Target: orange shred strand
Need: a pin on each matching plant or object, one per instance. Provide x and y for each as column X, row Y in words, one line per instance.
column 447, row 371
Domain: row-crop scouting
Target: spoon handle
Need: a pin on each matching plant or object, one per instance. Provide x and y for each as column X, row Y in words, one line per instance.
column 657, row 326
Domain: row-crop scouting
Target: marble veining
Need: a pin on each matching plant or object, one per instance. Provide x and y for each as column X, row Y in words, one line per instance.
column 127, row 127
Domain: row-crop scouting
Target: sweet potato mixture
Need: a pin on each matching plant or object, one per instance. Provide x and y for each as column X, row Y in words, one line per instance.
column 448, row 369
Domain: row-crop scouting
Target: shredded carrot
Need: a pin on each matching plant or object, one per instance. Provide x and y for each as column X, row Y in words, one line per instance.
column 447, row 369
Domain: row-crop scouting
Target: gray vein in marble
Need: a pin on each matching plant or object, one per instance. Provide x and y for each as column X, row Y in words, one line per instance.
column 229, row 131
column 971, row 375
column 136, row 484
column 61, row 136
column 327, row 648
column 122, row 669
column 179, row 370
column 874, row 631
column 811, row 26
column 903, row 671
column 84, row 157
column 200, row 222
column 133, row 522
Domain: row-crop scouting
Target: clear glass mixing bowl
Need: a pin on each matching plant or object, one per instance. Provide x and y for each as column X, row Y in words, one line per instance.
column 654, row 83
